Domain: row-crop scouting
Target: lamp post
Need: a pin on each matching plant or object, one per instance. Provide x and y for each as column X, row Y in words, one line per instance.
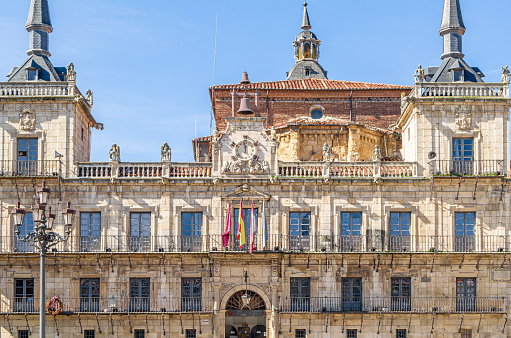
column 42, row 238
column 246, row 298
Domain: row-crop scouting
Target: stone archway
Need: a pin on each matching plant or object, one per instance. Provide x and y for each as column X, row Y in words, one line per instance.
column 245, row 321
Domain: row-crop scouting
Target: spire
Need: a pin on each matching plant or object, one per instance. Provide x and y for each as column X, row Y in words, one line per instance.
column 452, row 29
column 39, row 27
column 306, row 24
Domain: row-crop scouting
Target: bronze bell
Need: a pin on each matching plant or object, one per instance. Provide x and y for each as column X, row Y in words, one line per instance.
column 245, row 107
column 244, row 78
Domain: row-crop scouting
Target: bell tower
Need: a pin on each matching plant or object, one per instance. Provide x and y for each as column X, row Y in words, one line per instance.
column 306, row 47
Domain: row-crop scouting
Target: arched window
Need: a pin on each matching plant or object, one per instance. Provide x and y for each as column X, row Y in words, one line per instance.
column 307, row 51
column 317, row 114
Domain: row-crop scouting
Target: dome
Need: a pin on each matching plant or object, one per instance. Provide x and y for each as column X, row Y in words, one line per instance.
column 306, row 35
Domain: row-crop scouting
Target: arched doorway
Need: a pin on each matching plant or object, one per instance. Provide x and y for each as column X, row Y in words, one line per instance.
column 245, row 321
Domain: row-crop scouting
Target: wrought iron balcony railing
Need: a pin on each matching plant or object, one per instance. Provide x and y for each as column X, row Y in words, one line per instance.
column 467, row 168
column 388, row 304
column 46, row 168
column 112, row 305
column 286, row 243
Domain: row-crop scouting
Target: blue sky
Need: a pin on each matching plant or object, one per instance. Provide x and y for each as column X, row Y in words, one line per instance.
column 150, row 63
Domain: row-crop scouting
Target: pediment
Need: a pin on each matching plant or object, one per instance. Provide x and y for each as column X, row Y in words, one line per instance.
column 246, row 191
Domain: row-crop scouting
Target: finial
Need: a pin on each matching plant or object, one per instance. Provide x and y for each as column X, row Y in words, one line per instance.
column 306, row 24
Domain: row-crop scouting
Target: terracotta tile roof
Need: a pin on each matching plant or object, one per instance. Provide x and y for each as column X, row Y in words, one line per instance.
column 319, row 84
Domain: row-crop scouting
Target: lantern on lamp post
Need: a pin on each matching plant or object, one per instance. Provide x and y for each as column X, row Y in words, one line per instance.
column 42, row 237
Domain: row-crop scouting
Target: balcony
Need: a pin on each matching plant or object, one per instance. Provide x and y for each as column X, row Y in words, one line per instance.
column 388, row 304
column 467, row 168
column 112, row 305
column 30, row 89
column 45, row 168
column 312, row 243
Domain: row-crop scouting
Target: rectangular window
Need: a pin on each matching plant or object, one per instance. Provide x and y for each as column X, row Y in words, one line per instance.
column 457, row 75
column 351, row 224
column 140, row 231
column 247, row 217
column 26, row 227
column 89, row 295
column 299, row 230
column 463, row 156
column 351, row 333
column 22, row 333
column 465, row 231
column 466, row 333
column 465, row 294
column 401, row 333
column 139, row 333
column 300, row 294
column 90, row 231
column 351, row 294
column 140, row 294
column 24, row 295
column 300, row 333
column 191, row 333
column 401, row 294
column 27, row 157
column 191, row 231
column 89, row 334
column 399, row 239
column 191, row 294
column 32, row 75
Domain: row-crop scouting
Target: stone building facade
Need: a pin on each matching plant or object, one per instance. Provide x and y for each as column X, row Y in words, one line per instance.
column 412, row 247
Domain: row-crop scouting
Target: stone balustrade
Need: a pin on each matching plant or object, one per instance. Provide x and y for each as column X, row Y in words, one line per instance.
column 465, row 89
column 143, row 170
column 36, row 89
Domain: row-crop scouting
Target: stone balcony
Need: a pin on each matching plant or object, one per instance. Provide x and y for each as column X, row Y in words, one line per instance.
column 465, row 89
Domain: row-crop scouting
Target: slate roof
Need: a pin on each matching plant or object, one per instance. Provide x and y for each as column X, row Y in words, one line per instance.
column 317, row 84
column 39, row 13
column 444, row 72
column 314, row 68
column 451, row 18
column 41, row 62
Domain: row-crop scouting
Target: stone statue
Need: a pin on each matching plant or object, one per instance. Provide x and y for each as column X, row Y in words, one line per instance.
column 216, row 135
column 420, row 75
column 327, row 151
column 27, row 119
column 506, row 74
column 166, row 153
column 71, row 74
column 89, row 97
column 115, row 153
column 376, row 153
column 273, row 134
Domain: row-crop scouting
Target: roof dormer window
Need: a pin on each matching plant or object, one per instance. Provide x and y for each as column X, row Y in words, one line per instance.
column 307, row 72
column 458, row 75
column 32, row 74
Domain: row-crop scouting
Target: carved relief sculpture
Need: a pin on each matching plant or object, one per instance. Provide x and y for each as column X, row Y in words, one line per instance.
column 463, row 121
column 251, row 166
column 166, row 153
column 27, row 120
column 115, row 153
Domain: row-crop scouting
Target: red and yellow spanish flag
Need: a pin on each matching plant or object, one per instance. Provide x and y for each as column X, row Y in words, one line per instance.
column 241, row 227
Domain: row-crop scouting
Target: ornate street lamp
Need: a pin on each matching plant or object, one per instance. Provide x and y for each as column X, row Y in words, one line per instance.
column 42, row 238
column 246, row 298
